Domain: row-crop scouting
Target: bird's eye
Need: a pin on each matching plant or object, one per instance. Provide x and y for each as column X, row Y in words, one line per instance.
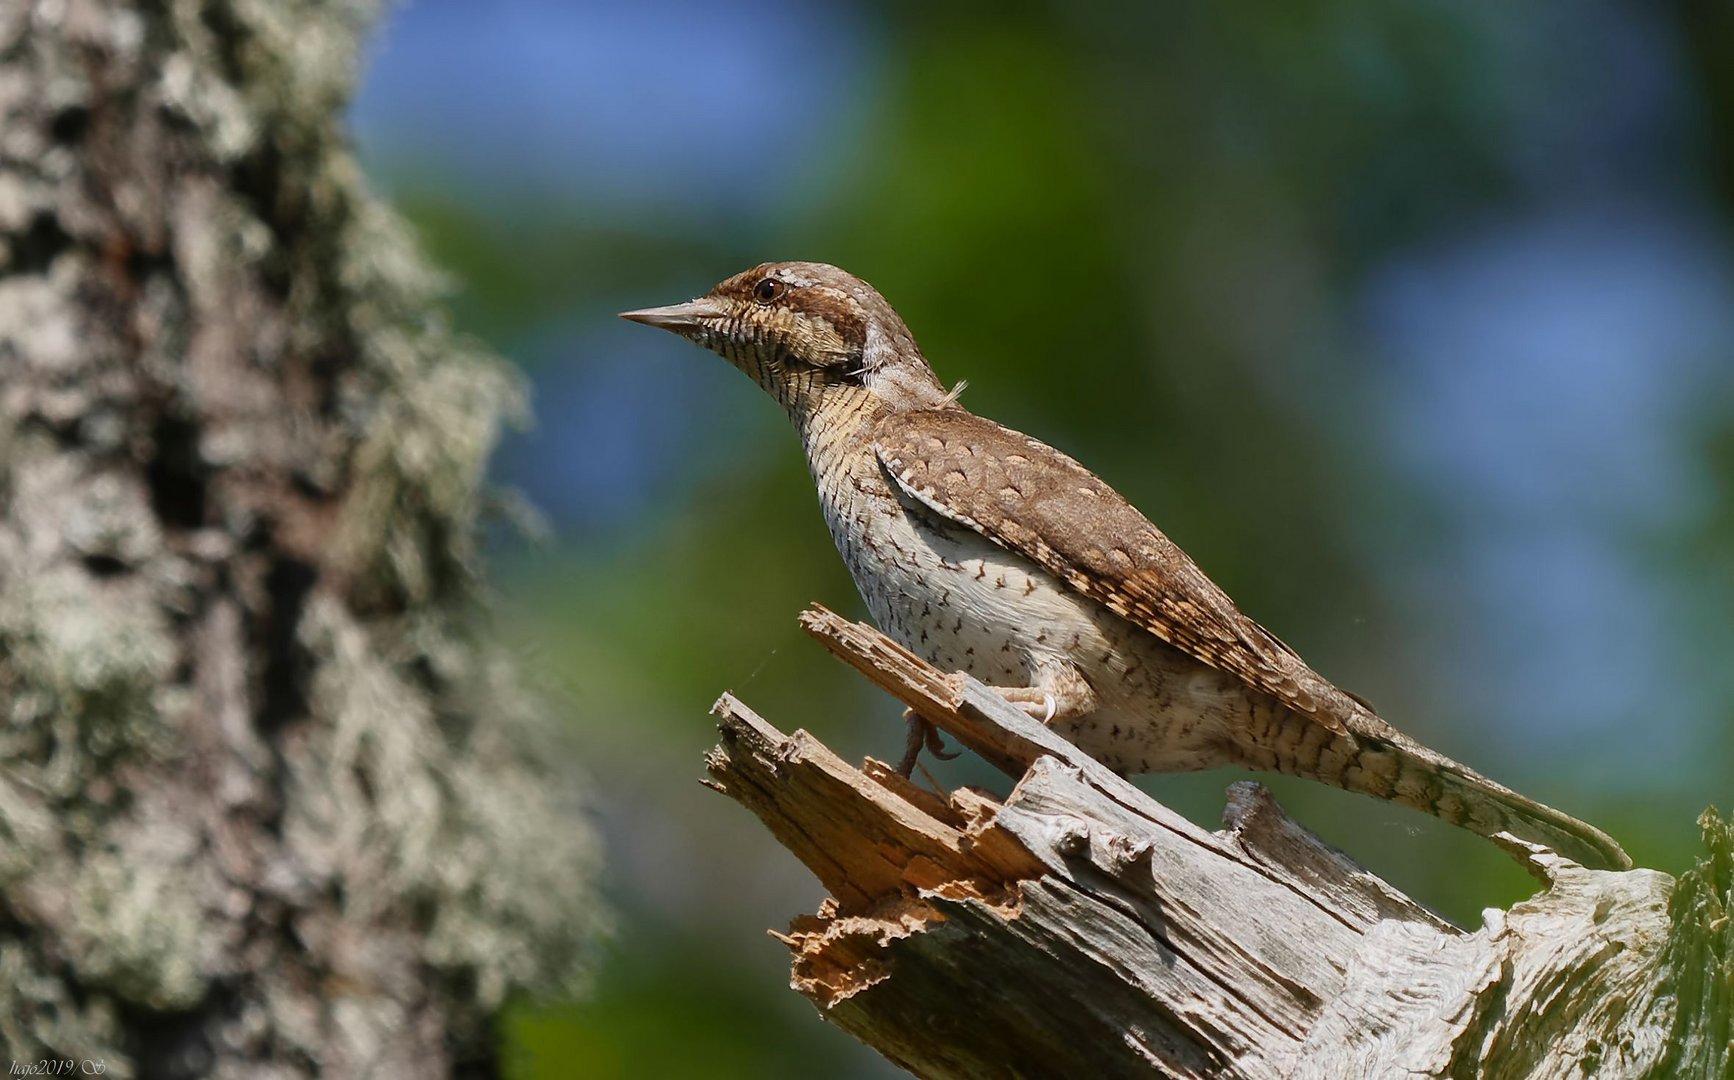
column 768, row 290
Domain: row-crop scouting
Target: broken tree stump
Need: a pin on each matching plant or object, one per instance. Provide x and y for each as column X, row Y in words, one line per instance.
column 1080, row 928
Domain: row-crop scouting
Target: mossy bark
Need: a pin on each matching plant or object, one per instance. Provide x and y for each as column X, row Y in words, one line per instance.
column 270, row 803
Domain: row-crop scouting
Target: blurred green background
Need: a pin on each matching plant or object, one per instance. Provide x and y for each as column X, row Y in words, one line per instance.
column 1413, row 322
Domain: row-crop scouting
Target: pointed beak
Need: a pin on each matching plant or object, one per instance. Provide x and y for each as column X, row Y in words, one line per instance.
column 678, row 317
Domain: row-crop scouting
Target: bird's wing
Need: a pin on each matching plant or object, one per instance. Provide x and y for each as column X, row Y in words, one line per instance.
column 1031, row 499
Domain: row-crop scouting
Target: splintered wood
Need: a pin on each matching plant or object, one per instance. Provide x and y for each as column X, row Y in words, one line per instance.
column 1079, row 928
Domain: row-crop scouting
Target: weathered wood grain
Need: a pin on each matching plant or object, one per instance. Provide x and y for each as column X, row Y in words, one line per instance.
column 1079, row 928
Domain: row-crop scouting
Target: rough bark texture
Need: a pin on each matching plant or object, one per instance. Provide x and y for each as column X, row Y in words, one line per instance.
column 1079, row 928
column 269, row 805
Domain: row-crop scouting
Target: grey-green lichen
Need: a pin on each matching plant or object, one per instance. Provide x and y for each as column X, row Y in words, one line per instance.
column 135, row 927
column 38, row 1010
column 266, row 782
column 1699, row 959
column 494, row 859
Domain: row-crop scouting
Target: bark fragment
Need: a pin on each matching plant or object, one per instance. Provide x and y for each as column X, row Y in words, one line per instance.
column 270, row 802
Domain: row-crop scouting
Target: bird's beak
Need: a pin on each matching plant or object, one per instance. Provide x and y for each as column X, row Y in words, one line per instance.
column 680, row 318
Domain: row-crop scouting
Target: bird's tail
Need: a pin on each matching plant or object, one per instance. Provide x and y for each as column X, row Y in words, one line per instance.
column 1389, row 765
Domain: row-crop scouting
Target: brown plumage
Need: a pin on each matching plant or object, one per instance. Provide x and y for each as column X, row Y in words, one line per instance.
column 987, row 551
column 1036, row 501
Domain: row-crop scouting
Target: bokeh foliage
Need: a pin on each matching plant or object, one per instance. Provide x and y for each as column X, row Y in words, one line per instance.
column 1147, row 234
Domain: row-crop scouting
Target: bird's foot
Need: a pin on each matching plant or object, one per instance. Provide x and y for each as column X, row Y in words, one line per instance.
column 1062, row 694
column 922, row 734
column 1037, row 704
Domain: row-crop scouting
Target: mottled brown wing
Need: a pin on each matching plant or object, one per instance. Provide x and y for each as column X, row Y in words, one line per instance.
column 1029, row 498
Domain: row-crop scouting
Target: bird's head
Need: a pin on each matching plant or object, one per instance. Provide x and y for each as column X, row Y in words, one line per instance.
column 809, row 334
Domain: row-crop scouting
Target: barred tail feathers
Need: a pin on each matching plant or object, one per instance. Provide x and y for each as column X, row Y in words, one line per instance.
column 1375, row 759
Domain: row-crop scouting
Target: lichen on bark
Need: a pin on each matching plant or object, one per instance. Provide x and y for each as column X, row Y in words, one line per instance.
column 272, row 802
column 1700, row 957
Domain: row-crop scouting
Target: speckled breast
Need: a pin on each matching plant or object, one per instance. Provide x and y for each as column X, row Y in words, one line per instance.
column 963, row 603
column 949, row 595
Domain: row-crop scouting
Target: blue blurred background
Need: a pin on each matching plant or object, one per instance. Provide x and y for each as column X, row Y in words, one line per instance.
column 1413, row 322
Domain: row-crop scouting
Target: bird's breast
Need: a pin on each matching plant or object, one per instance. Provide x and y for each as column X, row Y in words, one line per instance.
column 947, row 593
column 963, row 603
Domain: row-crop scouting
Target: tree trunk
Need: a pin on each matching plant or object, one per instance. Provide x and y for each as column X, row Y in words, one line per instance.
column 269, row 802
column 1079, row 928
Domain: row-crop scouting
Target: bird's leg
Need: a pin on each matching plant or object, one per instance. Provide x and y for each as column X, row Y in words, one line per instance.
column 922, row 733
column 1057, row 693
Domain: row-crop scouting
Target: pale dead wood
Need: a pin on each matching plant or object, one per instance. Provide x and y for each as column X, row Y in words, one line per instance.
column 1079, row 928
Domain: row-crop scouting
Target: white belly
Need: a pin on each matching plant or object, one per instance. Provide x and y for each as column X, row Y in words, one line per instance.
column 964, row 604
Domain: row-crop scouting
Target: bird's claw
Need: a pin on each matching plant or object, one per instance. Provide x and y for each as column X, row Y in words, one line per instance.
column 1041, row 709
column 922, row 735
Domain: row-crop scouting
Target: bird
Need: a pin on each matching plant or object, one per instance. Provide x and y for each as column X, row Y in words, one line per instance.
column 988, row 552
